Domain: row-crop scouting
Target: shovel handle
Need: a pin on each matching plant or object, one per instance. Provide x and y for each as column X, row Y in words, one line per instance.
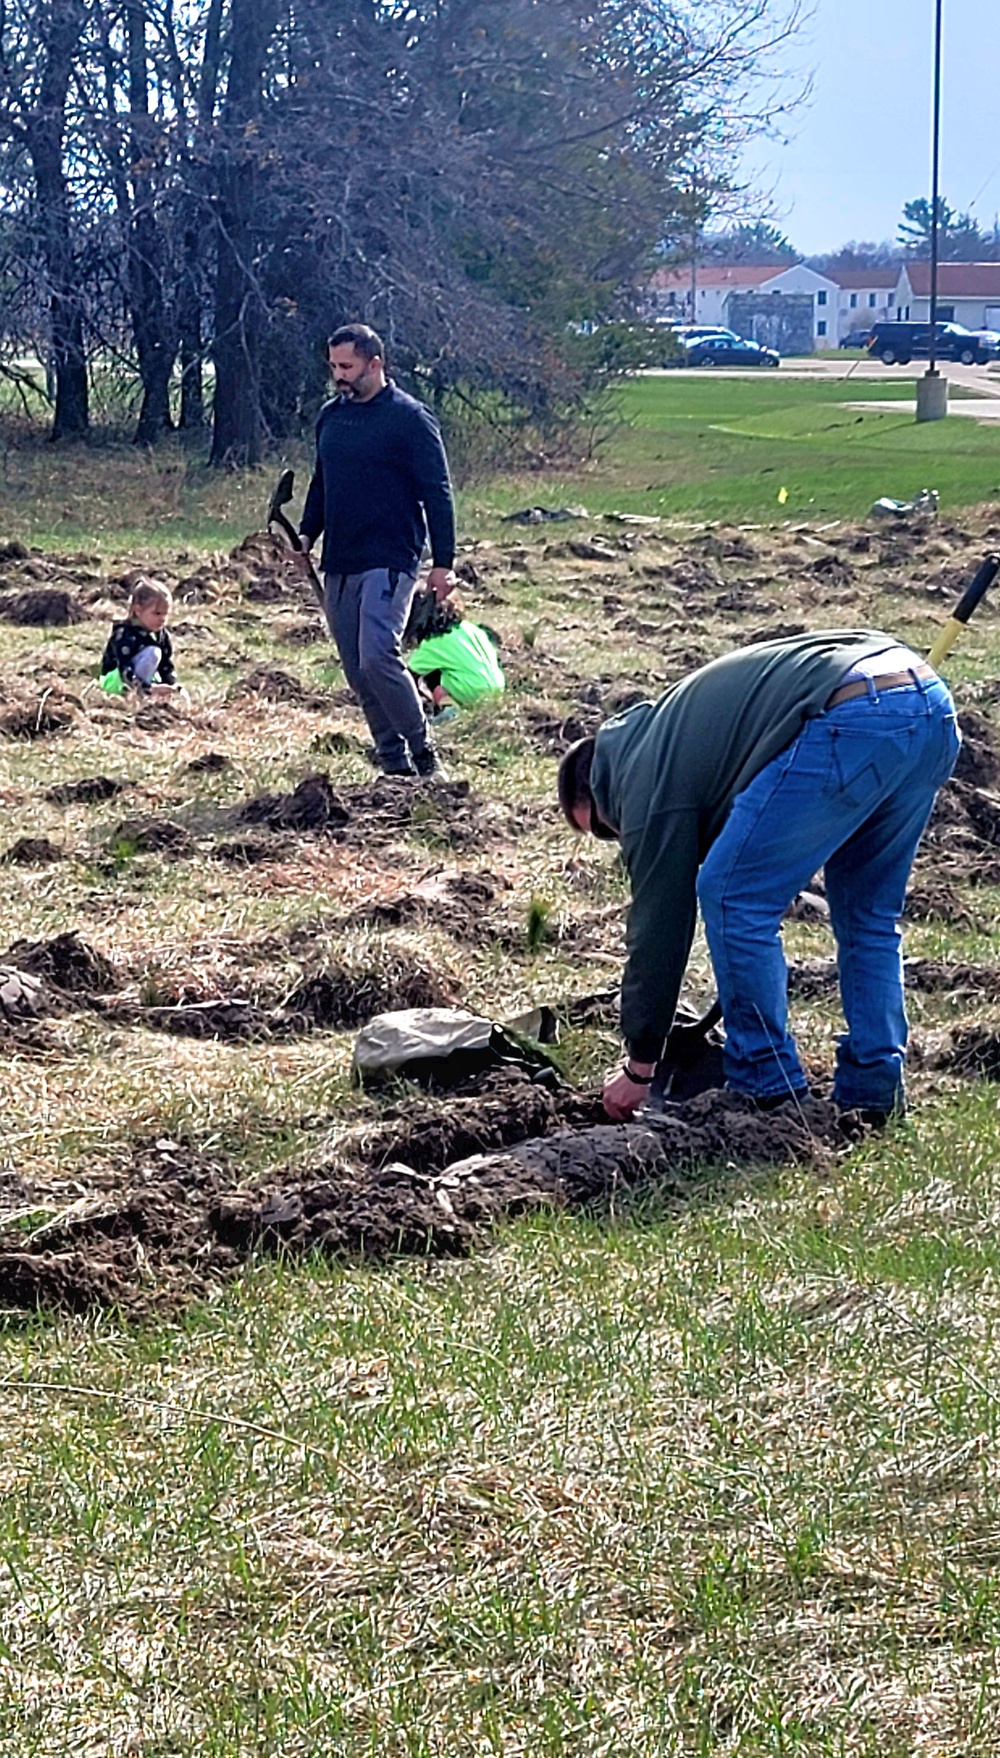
column 977, row 588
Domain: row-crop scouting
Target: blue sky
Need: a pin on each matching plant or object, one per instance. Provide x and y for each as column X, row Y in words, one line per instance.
column 861, row 147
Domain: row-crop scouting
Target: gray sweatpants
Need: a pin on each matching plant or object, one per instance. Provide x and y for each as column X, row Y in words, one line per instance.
column 367, row 614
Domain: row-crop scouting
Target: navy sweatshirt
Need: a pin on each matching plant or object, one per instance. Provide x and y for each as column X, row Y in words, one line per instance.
column 380, row 470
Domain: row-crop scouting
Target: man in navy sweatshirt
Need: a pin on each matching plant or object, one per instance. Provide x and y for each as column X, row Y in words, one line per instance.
column 379, row 490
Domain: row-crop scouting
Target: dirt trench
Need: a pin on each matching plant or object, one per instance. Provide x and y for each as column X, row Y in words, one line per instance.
column 180, row 1227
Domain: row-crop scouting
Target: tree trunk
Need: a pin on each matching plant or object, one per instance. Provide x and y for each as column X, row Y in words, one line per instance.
column 192, row 416
column 152, row 329
column 44, row 130
column 239, row 306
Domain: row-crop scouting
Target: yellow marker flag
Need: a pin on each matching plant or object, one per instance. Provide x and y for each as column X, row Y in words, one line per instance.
column 782, row 496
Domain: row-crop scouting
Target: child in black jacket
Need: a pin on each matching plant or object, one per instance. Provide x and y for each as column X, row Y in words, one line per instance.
column 139, row 651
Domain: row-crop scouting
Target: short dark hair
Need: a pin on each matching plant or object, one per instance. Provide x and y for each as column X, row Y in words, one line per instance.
column 359, row 337
column 574, row 779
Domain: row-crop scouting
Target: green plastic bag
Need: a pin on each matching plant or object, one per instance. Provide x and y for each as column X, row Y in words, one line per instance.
column 111, row 683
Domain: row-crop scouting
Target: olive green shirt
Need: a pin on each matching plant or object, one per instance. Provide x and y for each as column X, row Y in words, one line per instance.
column 665, row 775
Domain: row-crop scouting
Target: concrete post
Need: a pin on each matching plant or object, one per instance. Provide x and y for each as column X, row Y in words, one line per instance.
column 932, row 397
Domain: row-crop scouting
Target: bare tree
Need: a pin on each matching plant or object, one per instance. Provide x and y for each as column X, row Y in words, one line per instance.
column 39, row 46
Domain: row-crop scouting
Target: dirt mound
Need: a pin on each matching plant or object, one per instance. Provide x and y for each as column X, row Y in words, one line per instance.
column 38, row 719
column 398, row 1208
column 499, row 1108
column 268, row 683
column 312, row 805
column 810, row 977
column 555, row 731
column 978, row 759
column 32, row 851
column 341, row 998
column 372, row 813
column 177, row 1231
column 152, row 836
column 43, row 608
column 974, row 1050
column 153, row 1249
column 938, row 903
column 231, row 1019
column 91, row 790
column 68, row 963
column 456, row 903
column 212, row 763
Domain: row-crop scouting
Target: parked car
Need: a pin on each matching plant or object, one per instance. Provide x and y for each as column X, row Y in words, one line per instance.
column 695, row 332
column 897, row 343
column 854, row 339
column 720, row 350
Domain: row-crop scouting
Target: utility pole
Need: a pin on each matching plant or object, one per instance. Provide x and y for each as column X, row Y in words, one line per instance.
column 932, row 389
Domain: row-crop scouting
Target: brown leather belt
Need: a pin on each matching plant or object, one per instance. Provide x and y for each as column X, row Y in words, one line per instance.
column 890, row 680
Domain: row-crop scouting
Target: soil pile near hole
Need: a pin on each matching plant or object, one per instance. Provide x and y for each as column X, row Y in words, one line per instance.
column 68, row 963
column 212, row 763
column 340, row 998
column 455, row 903
column 32, row 851
column 499, row 1108
column 42, row 608
column 974, row 1050
column 369, row 814
column 152, row 836
column 397, row 1208
column 91, row 790
column 978, row 760
column 810, row 977
column 177, row 1230
column 38, row 719
column 313, row 805
column 268, row 683
column 151, row 1250
column 938, row 903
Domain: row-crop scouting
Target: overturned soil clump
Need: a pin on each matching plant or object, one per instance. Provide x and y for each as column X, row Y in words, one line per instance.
column 90, row 790
column 372, row 813
column 312, row 805
column 341, row 998
column 818, row 976
column 177, row 1230
column 149, row 1250
column 152, row 836
column 42, row 608
column 39, row 719
column 32, row 851
column 68, row 963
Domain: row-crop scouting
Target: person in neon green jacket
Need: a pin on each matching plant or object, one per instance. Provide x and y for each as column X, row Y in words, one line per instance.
column 454, row 657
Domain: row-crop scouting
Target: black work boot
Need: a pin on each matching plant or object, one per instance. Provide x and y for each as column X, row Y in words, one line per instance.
column 428, row 764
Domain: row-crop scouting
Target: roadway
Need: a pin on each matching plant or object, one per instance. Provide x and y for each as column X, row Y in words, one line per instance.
column 979, row 385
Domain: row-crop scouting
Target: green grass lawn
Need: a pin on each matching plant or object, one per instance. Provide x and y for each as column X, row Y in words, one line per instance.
column 723, row 448
column 680, row 448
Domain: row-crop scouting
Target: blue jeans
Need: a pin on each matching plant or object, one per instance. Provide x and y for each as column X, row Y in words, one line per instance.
column 366, row 614
column 852, row 794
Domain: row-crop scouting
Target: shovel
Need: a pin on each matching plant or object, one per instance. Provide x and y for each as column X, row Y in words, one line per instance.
column 280, row 498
